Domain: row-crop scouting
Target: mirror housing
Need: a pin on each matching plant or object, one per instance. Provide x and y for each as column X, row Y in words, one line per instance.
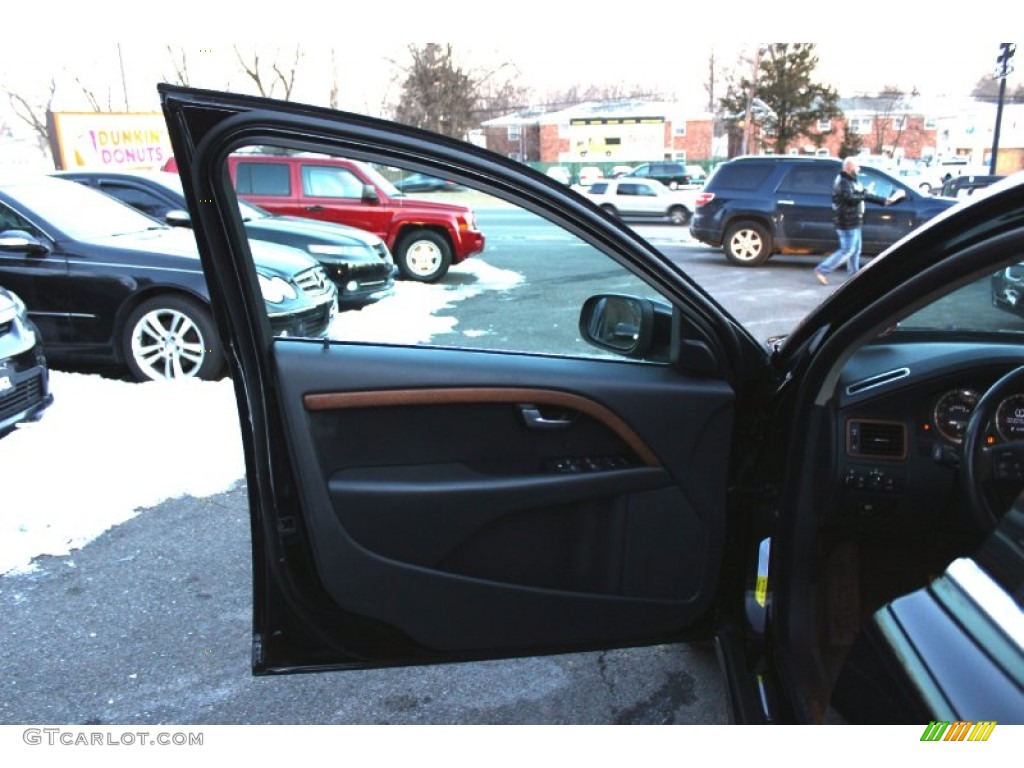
column 20, row 241
column 370, row 194
column 178, row 218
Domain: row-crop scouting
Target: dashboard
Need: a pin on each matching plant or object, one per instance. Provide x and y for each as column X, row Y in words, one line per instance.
column 902, row 411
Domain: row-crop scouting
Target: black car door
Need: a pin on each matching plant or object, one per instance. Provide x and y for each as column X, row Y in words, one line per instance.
column 37, row 272
column 498, row 489
column 885, row 224
column 804, row 207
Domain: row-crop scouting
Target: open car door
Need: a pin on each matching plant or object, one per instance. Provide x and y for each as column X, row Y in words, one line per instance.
column 497, row 487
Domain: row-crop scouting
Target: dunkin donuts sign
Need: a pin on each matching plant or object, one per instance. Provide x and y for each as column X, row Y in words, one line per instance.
column 109, row 140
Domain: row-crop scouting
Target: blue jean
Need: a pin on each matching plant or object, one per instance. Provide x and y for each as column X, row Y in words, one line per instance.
column 849, row 251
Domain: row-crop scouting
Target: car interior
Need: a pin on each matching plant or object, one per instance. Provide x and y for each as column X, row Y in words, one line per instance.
column 914, row 461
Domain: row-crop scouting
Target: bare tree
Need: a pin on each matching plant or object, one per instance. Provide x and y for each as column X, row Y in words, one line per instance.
column 439, row 94
column 92, row 98
column 283, row 75
column 333, row 99
column 34, row 112
column 179, row 61
column 890, row 119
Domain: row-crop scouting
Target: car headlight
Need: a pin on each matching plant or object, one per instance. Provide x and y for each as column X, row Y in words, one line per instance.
column 276, row 290
column 323, row 249
column 19, row 307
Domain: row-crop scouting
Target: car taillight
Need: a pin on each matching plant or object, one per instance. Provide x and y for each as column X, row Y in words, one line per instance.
column 705, row 197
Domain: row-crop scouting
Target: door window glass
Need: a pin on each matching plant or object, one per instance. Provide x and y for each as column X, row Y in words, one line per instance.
column 515, row 281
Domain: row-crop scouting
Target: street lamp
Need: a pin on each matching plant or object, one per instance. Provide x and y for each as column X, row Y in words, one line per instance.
column 1003, row 68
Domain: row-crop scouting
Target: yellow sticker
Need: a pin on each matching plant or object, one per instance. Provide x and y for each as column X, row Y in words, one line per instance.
column 761, row 593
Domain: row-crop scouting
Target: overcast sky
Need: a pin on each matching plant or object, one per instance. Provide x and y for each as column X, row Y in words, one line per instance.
column 551, row 46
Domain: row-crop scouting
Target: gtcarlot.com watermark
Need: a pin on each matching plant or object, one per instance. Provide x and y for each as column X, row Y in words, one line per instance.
column 71, row 737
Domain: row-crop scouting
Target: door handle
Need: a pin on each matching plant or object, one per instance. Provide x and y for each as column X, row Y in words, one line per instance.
column 315, row 208
column 787, row 202
column 534, row 419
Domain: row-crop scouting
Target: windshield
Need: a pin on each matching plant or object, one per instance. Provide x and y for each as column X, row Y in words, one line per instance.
column 79, row 212
column 992, row 305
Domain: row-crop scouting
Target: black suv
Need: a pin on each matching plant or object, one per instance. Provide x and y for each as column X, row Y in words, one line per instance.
column 672, row 175
column 755, row 207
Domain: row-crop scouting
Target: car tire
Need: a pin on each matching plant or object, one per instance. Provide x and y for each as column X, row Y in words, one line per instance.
column 610, row 210
column 679, row 216
column 748, row 244
column 171, row 337
column 673, row 184
column 926, row 188
column 423, row 256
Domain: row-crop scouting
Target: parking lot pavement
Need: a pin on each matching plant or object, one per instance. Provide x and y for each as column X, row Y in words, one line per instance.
column 150, row 623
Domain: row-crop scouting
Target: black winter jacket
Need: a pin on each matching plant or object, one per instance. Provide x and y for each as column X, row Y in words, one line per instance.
column 848, row 196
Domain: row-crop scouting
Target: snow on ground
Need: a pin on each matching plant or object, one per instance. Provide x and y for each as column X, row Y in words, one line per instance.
column 107, row 448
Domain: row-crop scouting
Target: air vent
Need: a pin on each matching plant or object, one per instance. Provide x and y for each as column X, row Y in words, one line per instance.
column 877, row 381
column 876, row 439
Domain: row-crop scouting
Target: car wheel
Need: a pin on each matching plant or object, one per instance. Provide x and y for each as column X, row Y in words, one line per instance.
column 423, row 256
column 171, row 337
column 673, row 184
column 926, row 188
column 678, row 215
column 748, row 244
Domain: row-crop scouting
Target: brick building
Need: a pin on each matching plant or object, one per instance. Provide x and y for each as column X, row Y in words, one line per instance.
column 631, row 132
column 603, row 134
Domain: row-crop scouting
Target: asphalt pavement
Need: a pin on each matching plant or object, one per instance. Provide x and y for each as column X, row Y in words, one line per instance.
column 151, row 623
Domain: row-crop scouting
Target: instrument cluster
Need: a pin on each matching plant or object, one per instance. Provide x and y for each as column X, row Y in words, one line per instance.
column 953, row 410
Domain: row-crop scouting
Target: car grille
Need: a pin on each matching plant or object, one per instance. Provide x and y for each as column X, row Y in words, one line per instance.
column 310, row 323
column 25, row 394
column 313, row 282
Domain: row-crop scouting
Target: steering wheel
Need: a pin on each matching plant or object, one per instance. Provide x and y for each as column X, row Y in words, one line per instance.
column 984, row 463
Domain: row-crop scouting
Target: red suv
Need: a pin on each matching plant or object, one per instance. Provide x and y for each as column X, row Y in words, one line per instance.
column 425, row 237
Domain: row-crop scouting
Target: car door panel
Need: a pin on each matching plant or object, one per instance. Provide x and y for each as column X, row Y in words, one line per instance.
column 416, row 503
column 437, row 496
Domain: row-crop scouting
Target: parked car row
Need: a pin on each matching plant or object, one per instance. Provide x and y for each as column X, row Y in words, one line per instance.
column 358, row 262
column 425, row 237
column 673, row 175
column 107, row 284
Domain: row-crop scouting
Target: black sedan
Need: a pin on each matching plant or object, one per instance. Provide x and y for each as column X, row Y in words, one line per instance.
column 842, row 512
column 107, row 284
column 24, row 378
column 358, row 262
column 419, row 182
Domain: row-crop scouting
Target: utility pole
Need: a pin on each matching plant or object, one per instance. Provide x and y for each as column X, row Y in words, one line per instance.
column 1003, row 68
column 750, row 103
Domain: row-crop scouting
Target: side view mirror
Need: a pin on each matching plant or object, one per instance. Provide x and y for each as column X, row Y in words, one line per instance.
column 370, row 194
column 647, row 330
column 178, row 218
column 20, row 241
column 620, row 324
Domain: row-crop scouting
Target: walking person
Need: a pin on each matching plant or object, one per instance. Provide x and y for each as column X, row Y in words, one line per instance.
column 848, row 198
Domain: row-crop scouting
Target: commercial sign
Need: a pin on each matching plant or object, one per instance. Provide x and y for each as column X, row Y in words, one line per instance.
column 631, row 138
column 108, row 140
